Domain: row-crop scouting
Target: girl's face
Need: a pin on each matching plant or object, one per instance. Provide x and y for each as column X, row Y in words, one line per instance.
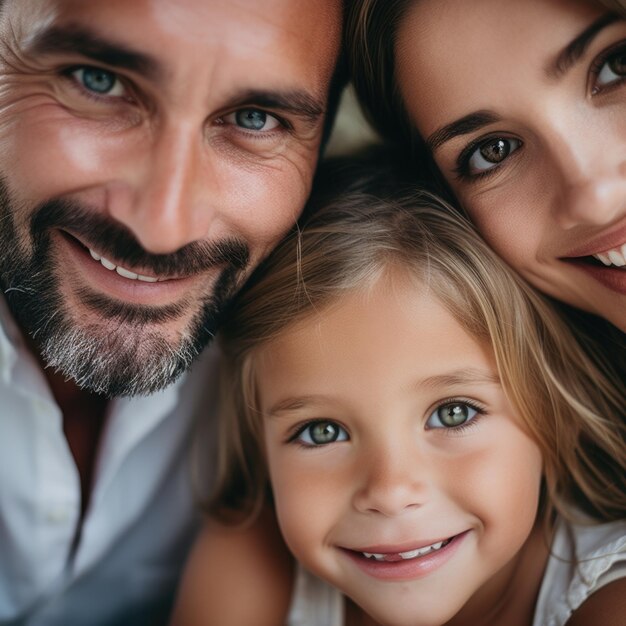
column 523, row 105
column 399, row 469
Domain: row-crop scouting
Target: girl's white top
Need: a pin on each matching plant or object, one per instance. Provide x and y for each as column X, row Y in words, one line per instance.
column 583, row 559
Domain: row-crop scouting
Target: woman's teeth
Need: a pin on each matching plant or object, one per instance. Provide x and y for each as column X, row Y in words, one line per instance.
column 411, row 554
column 120, row 270
column 616, row 257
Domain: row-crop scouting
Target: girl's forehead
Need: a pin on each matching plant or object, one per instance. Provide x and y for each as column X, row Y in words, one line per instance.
column 454, row 56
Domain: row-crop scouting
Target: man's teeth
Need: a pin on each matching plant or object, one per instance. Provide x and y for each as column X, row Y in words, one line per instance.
column 120, row 270
column 617, row 256
column 411, row 554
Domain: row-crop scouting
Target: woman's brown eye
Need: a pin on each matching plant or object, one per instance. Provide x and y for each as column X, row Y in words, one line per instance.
column 495, row 151
column 618, row 64
column 491, row 153
column 612, row 70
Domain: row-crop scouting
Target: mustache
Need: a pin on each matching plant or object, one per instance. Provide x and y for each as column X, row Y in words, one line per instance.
column 116, row 240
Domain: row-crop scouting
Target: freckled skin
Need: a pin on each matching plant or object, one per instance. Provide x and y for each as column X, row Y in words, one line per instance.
column 562, row 193
column 364, row 364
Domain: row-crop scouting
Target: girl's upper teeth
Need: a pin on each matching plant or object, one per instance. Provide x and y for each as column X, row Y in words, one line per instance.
column 411, row 554
column 120, row 270
column 616, row 256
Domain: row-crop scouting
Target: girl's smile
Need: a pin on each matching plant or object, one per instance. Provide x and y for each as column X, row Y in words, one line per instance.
column 399, row 470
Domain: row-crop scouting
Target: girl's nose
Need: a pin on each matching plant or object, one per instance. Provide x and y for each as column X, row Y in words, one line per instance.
column 392, row 482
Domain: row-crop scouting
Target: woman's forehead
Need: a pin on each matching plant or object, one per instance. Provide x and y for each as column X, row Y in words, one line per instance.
column 454, row 57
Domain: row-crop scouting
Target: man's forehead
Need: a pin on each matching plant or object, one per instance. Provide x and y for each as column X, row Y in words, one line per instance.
column 241, row 44
column 264, row 22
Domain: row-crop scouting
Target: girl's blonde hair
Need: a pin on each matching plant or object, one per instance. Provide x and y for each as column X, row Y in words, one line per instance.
column 361, row 222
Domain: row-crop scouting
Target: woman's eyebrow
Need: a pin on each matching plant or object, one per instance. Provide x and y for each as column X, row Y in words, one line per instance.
column 463, row 126
column 555, row 69
column 576, row 48
column 77, row 39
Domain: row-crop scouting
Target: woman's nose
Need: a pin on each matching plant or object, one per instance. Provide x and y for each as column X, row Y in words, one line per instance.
column 590, row 178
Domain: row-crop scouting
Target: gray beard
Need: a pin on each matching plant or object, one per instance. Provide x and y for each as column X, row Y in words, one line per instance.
column 124, row 354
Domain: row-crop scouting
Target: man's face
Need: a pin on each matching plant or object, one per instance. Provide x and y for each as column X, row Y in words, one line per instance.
column 151, row 154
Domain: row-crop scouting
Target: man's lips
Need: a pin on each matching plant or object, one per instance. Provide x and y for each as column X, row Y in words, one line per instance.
column 164, row 291
column 140, row 274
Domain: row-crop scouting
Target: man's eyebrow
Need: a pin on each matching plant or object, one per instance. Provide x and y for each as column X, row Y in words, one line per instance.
column 576, row 48
column 463, row 126
column 80, row 40
column 295, row 102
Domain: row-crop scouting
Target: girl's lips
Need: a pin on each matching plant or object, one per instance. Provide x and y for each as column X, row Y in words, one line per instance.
column 401, row 565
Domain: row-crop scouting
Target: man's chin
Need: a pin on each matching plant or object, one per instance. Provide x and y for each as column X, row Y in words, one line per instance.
column 127, row 360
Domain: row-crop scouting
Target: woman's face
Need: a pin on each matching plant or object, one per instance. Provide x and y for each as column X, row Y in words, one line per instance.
column 523, row 105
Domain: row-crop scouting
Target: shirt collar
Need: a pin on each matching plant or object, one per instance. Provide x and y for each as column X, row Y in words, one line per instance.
column 11, row 341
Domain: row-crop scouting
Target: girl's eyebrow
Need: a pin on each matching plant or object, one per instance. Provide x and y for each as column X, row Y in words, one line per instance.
column 465, row 376
column 454, row 378
column 289, row 404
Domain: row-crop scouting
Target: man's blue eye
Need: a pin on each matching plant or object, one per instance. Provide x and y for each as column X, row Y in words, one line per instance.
column 99, row 81
column 321, row 433
column 451, row 415
column 254, row 120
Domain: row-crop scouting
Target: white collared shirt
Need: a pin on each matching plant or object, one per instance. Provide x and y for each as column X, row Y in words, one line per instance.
column 142, row 515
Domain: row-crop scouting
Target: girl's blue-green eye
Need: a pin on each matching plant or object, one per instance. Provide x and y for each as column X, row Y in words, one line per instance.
column 451, row 415
column 321, row 433
column 491, row 153
column 98, row 81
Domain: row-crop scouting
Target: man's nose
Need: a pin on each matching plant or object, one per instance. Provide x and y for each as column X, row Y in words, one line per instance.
column 393, row 480
column 165, row 199
column 591, row 176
